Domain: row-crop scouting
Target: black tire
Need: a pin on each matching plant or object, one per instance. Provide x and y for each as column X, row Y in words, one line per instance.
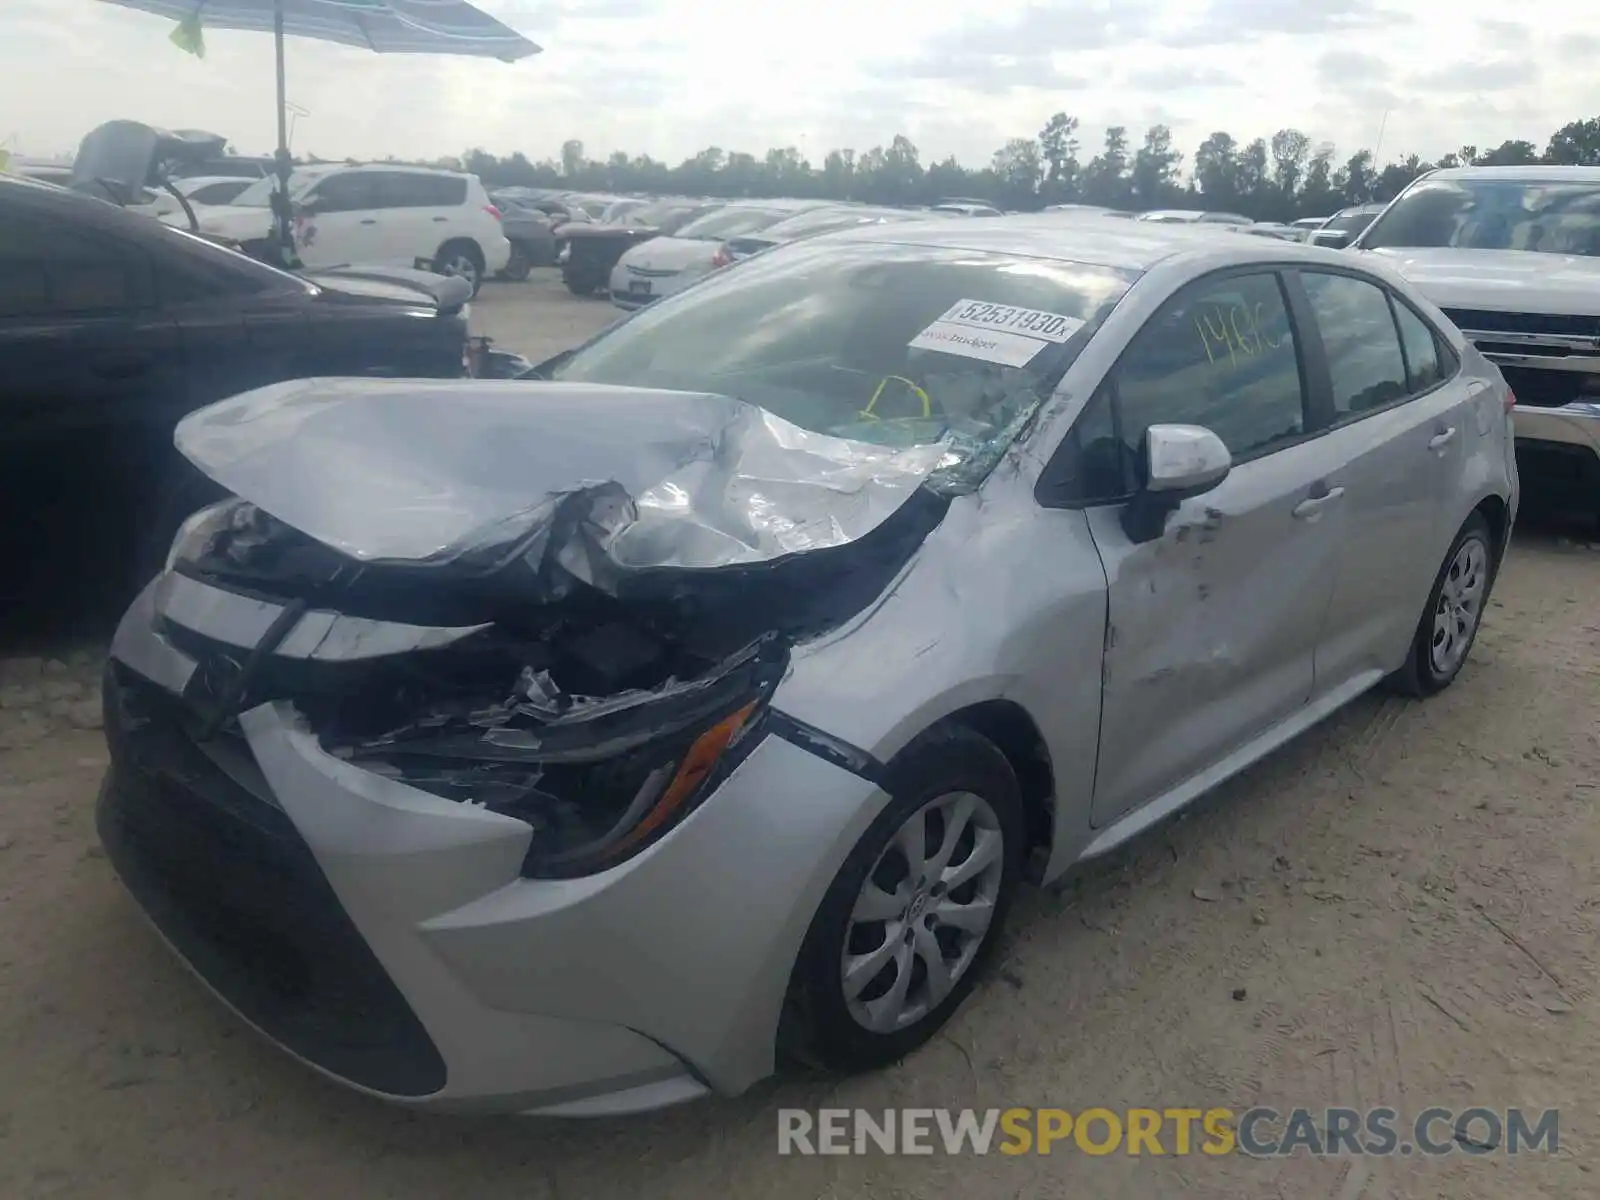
column 583, row 282
column 455, row 257
column 1421, row 677
column 520, row 265
column 817, row 1027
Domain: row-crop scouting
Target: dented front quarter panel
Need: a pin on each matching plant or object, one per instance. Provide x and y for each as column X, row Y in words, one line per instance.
column 1005, row 601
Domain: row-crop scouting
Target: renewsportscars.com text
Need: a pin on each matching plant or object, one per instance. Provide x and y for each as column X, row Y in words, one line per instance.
column 1257, row 1132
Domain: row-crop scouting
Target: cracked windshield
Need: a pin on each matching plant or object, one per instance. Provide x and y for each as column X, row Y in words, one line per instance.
column 879, row 343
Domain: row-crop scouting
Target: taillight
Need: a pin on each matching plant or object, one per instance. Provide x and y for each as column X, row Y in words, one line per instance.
column 721, row 258
column 492, row 211
column 1510, row 399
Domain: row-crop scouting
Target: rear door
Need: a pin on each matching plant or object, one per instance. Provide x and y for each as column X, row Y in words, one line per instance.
column 1213, row 625
column 344, row 225
column 419, row 213
column 1396, row 430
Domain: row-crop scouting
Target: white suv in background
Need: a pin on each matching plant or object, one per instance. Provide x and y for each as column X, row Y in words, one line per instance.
column 379, row 215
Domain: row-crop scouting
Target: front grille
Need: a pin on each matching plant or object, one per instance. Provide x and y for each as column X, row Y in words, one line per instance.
column 227, row 879
column 652, row 272
column 1559, row 324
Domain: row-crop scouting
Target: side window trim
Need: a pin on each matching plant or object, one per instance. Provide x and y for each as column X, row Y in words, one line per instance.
column 1316, row 373
column 1405, row 355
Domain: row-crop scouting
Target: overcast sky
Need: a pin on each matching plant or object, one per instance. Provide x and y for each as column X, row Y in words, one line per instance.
column 667, row 80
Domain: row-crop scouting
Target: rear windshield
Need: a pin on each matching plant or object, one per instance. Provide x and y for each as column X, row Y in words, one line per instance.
column 1350, row 222
column 1494, row 214
column 892, row 344
column 730, row 222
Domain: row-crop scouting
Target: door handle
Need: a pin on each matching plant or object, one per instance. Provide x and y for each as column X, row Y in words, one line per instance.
column 1440, row 440
column 440, row 220
column 1311, row 506
column 369, row 220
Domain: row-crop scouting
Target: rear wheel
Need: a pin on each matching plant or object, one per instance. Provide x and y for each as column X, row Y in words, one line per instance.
column 462, row 259
column 915, row 911
column 1450, row 622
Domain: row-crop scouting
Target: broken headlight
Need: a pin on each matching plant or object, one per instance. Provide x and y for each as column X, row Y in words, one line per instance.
column 200, row 531
column 598, row 780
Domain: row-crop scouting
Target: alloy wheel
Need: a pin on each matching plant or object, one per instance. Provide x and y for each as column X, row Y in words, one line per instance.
column 1460, row 608
column 462, row 266
column 923, row 912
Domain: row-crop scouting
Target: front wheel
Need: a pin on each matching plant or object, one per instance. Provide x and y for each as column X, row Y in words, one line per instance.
column 463, row 260
column 1450, row 622
column 915, row 911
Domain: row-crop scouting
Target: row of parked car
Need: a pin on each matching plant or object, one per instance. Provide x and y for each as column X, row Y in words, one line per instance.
column 594, row 238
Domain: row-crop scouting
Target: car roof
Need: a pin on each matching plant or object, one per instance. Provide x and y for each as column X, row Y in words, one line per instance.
column 404, row 168
column 1120, row 245
column 1532, row 174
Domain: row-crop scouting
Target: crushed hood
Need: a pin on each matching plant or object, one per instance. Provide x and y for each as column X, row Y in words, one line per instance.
column 595, row 480
column 1501, row 280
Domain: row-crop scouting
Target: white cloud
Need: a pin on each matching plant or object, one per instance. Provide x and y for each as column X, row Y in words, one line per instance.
column 666, row 81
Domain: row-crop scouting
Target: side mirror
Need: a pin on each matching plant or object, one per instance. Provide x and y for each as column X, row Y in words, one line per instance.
column 1332, row 239
column 1180, row 461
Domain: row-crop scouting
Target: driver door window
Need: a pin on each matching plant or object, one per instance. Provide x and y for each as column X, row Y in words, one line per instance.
column 1221, row 354
column 343, row 193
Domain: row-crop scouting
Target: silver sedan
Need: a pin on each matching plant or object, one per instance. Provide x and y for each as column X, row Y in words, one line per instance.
column 589, row 743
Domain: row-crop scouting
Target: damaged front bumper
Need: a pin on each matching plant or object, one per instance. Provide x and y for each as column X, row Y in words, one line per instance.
column 394, row 937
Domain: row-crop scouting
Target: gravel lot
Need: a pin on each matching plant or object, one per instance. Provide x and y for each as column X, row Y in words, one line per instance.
column 1400, row 908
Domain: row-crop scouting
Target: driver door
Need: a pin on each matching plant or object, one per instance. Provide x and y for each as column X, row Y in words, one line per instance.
column 1213, row 624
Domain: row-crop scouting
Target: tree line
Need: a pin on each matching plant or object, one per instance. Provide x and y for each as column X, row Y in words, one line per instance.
column 1268, row 179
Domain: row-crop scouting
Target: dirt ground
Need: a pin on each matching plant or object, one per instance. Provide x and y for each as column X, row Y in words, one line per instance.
column 1400, row 908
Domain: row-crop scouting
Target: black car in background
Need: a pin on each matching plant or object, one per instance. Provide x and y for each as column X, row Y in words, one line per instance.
column 592, row 250
column 114, row 325
column 1339, row 230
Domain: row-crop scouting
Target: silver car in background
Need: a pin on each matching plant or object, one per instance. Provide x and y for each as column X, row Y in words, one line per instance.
column 588, row 743
column 666, row 265
column 815, row 223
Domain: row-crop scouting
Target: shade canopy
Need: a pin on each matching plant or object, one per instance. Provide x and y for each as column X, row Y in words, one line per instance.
column 384, row 26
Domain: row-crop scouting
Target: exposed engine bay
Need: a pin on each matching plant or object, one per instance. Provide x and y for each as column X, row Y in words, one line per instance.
column 565, row 668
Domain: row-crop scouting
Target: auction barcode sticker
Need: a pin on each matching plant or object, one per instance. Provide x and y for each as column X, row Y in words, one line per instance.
column 1030, row 322
column 997, row 333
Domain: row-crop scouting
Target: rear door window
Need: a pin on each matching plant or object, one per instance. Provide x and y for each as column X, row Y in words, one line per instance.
column 1362, row 342
column 1426, row 364
column 410, row 190
column 51, row 268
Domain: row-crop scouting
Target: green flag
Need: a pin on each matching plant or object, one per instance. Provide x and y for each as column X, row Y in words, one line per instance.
column 188, row 36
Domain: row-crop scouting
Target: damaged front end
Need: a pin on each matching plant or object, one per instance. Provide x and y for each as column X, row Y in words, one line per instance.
column 568, row 605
